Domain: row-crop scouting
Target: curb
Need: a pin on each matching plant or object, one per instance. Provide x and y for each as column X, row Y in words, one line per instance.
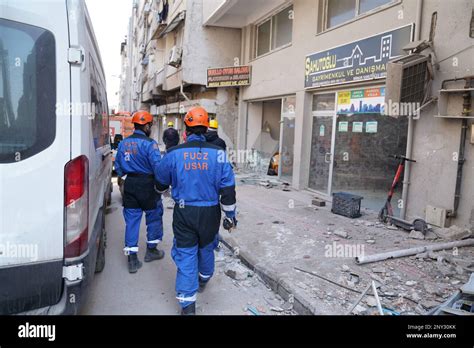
column 277, row 283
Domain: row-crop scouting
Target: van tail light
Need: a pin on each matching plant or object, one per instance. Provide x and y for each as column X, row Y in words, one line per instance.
column 76, row 206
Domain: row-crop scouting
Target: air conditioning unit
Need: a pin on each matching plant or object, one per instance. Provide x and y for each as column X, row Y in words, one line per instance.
column 406, row 82
column 142, row 49
column 175, row 56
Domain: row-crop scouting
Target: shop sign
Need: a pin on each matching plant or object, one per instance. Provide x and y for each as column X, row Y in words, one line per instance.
column 233, row 76
column 361, row 101
column 357, row 61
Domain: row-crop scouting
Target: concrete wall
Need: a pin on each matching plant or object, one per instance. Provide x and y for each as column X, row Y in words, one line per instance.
column 436, row 141
column 207, row 47
column 227, row 108
column 209, row 6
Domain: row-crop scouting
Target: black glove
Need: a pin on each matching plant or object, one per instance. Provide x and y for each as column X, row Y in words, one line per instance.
column 229, row 223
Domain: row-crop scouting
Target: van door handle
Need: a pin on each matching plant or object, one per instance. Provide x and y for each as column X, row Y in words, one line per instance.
column 105, row 155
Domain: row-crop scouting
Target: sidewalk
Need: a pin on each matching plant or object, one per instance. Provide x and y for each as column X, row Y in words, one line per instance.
column 280, row 230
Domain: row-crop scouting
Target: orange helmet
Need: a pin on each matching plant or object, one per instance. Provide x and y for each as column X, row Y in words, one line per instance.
column 197, row 116
column 142, row 117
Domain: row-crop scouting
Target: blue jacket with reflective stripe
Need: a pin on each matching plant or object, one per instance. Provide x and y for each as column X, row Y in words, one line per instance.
column 199, row 174
column 137, row 154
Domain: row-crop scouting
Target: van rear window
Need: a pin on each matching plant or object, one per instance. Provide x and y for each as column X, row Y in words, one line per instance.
column 27, row 90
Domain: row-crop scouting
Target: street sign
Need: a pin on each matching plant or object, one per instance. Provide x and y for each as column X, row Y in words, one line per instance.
column 233, row 76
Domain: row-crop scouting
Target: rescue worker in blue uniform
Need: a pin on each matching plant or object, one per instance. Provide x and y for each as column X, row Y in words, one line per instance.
column 203, row 182
column 137, row 156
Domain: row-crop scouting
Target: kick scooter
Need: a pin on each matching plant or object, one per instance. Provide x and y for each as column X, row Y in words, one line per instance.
column 386, row 213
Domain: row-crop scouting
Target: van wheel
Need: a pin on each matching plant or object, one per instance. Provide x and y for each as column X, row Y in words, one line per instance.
column 108, row 199
column 100, row 261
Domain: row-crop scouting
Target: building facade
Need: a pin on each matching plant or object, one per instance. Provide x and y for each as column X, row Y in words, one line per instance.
column 168, row 53
column 317, row 97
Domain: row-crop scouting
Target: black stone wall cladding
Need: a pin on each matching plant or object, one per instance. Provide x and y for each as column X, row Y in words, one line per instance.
column 369, row 165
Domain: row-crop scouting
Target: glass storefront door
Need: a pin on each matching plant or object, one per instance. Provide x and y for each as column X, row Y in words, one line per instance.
column 287, row 137
column 322, row 143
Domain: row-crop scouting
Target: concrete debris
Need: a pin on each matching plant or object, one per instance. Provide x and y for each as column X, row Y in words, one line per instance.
column 371, row 301
column 340, row 232
column 433, row 289
column 416, row 235
column 318, row 202
column 370, row 241
column 454, row 233
column 410, row 283
column 377, row 278
column 345, row 268
column 391, row 227
column 359, row 309
column 429, row 303
column 415, row 296
column 430, row 235
column 266, row 184
column 420, row 310
column 237, row 271
column 354, row 278
column 379, row 270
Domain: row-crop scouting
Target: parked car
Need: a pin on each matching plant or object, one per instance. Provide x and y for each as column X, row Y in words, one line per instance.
column 55, row 156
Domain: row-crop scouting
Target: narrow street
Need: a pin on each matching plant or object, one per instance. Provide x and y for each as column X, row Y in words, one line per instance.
column 151, row 290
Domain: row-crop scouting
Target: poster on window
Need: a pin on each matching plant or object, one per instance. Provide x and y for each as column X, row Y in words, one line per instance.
column 361, row 101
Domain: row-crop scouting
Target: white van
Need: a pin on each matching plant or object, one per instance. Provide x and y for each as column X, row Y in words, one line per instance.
column 55, row 157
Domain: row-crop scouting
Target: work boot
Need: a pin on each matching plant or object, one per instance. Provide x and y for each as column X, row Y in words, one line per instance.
column 189, row 310
column 133, row 263
column 153, row 254
column 202, row 286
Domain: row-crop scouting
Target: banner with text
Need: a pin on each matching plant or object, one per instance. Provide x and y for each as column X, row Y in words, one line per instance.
column 360, row 60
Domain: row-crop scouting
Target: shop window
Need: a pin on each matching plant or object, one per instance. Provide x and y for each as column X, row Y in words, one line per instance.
column 324, row 102
column 275, row 32
column 341, row 11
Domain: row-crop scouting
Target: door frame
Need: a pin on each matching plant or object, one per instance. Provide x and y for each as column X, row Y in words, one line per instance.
column 280, row 146
column 327, row 195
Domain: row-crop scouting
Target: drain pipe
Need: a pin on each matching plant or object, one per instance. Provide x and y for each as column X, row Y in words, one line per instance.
column 181, row 90
column 408, row 153
column 462, row 146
